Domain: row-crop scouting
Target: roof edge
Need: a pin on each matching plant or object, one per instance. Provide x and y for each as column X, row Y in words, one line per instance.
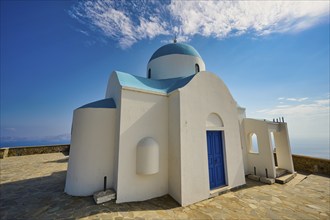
column 156, row 86
column 103, row 103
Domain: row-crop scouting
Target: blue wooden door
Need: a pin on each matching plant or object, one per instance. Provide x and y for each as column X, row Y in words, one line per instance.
column 216, row 161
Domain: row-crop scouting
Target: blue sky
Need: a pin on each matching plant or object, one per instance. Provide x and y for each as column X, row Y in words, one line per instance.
column 58, row 55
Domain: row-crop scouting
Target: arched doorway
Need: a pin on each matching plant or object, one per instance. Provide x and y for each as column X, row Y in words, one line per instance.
column 215, row 151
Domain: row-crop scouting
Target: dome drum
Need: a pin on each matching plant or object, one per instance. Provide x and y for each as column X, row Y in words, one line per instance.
column 173, row 61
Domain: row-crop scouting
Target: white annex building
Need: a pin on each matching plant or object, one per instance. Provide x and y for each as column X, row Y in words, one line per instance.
column 178, row 131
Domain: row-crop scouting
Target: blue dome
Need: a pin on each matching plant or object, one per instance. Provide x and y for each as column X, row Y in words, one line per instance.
column 175, row 48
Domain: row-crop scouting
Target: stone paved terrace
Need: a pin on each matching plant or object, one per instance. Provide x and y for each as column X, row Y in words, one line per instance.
column 32, row 188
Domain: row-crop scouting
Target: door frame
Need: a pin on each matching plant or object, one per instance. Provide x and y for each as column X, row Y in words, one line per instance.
column 222, row 133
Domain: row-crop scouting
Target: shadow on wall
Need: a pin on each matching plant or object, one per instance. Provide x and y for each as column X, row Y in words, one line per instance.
column 151, row 120
column 44, row 198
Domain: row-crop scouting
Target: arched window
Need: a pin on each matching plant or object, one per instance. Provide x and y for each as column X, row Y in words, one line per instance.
column 273, row 141
column 254, row 145
column 149, row 73
column 196, row 68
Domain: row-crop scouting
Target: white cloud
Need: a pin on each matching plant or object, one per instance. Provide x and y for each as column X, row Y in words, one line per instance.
column 282, row 99
column 297, row 99
column 223, row 18
column 311, row 108
column 323, row 102
column 180, row 38
column 308, row 118
column 126, row 22
column 283, row 106
column 299, row 110
column 130, row 21
column 83, row 32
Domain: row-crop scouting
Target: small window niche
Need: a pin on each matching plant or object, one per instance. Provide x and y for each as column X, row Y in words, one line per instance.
column 147, row 156
column 149, row 73
column 196, row 68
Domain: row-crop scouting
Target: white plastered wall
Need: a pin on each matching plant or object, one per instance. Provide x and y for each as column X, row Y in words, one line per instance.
column 264, row 159
column 241, row 116
column 174, row 65
column 142, row 115
column 114, row 90
column 283, row 149
column 174, row 142
column 205, row 94
column 91, row 151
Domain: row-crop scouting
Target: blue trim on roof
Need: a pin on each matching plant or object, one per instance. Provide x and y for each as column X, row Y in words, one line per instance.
column 161, row 85
column 104, row 103
column 175, row 48
column 180, row 83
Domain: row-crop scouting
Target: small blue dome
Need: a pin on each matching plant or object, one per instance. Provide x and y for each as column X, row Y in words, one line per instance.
column 175, row 48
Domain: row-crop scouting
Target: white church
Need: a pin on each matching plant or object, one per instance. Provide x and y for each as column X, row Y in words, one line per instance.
column 178, row 131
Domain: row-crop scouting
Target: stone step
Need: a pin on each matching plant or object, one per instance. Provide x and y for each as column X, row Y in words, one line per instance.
column 297, row 179
column 285, row 178
column 219, row 191
column 253, row 177
column 280, row 172
column 104, row 196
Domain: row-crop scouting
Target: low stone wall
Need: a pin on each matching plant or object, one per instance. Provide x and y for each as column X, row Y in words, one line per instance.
column 301, row 163
column 20, row 151
column 3, row 152
column 309, row 164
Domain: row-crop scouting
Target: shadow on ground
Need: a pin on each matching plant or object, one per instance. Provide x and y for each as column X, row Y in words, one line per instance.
column 44, row 198
column 64, row 160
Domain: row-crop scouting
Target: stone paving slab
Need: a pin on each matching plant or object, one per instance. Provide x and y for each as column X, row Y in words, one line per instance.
column 32, row 187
